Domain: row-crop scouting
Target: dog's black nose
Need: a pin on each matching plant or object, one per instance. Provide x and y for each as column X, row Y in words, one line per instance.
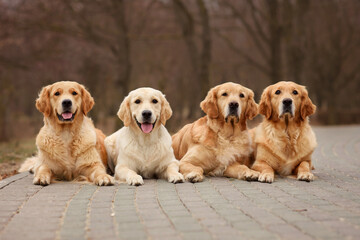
column 233, row 105
column 146, row 114
column 66, row 103
column 287, row 102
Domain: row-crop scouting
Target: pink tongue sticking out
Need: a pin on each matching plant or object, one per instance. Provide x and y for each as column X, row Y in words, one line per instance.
column 66, row 115
column 146, row 127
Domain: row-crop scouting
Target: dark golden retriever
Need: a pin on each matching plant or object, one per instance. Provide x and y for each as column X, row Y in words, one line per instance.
column 219, row 143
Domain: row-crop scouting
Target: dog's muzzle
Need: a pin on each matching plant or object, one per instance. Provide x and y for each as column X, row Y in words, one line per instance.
column 67, row 115
column 233, row 111
column 287, row 107
column 146, row 126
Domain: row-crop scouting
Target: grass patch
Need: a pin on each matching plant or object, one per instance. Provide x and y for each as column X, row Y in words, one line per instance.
column 17, row 150
column 13, row 153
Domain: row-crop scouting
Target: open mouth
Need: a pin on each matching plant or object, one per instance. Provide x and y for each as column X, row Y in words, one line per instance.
column 146, row 127
column 66, row 116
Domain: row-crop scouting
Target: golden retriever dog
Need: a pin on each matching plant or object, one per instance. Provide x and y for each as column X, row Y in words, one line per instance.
column 284, row 141
column 218, row 144
column 69, row 146
column 142, row 148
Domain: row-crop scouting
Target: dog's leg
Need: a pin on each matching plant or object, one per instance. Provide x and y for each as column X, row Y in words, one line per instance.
column 303, row 172
column 122, row 172
column 89, row 164
column 266, row 171
column 191, row 172
column 239, row 171
column 172, row 173
column 42, row 175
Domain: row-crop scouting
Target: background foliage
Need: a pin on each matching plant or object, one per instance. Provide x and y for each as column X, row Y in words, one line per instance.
column 182, row 47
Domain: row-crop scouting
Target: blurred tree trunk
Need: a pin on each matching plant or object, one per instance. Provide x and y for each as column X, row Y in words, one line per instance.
column 294, row 16
column 5, row 109
column 123, row 51
column 275, row 41
column 200, row 58
column 186, row 22
column 205, row 56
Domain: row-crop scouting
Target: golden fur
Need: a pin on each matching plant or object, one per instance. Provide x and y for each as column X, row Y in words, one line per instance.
column 68, row 148
column 218, row 144
column 135, row 153
column 284, row 141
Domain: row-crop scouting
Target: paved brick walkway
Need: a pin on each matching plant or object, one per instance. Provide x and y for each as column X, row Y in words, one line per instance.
column 218, row 208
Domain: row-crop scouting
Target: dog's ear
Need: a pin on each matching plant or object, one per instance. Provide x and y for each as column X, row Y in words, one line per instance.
column 307, row 108
column 166, row 111
column 265, row 103
column 209, row 104
column 43, row 102
column 124, row 112
column 87, row 101
column 251, row 107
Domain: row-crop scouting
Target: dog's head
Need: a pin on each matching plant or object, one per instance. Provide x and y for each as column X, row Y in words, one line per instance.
column 64, row 101
column 230, row 102
column 286, row 99
column 144, row 109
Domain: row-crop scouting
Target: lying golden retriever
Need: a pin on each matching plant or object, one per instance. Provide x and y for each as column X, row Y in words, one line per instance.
column 284, row 141
column 142, row 148
column 218, row 144
column 69, row 146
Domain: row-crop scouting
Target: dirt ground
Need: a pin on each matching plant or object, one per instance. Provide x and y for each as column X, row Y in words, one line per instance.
column 7, row 169
column 13, row 153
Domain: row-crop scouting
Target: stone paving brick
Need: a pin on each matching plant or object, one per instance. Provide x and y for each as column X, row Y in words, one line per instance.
column 76, row 212
column 217, row 208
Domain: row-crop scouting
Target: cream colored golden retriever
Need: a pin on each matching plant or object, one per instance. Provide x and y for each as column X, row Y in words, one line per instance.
column 142, row 148
column 219, row 143
column 69, row 146
column 284, row 141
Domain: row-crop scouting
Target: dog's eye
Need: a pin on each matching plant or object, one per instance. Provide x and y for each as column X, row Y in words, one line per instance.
column 137, row 101
column 57, row 94
column 277, row 92
column 242, row 95
column 74, row 93
column 224, row 94
column 295, row 92
column 154, row 101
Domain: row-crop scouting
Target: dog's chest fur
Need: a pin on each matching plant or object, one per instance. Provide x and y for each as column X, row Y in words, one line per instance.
column 148, row 155
column 149, row 158
column 229, row 150
column 289, row 147
column 62, row 149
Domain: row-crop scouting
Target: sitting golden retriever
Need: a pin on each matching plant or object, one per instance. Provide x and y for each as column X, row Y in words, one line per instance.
column 218, row 144
column 142, row 148
column 69, row 146
column 284, row 141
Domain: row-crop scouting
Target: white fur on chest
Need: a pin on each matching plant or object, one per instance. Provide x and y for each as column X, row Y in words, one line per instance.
column 147, row 155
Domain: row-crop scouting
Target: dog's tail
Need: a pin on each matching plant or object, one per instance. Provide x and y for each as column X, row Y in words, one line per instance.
column 28, row 165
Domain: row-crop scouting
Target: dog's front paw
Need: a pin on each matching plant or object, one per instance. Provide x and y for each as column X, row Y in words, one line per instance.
column 104, row 180
column 194, row 177
column 251, row 175
column 305, row 176
column 266, row 177
column 42, row 179
column 176, row 178
column 135, row 180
